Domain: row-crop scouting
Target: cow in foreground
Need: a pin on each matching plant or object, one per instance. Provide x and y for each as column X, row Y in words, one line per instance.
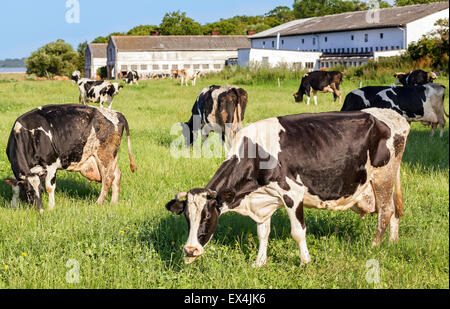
column 189, row 75
column 69, row 137
column 334, row 161
column 421, row 103
column 415, row 78
column 320, row 81
column 219, row 109
column 132, row 77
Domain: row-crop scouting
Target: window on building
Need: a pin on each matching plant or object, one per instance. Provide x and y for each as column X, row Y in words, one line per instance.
column 205, row 66
column 367, row 49
column 309, row 65
column 371, row 49
column 398, row 47
column 134, row 67
column 392, row 47
column 187, row 66
column 326, row 39
column 366, row 37
column 282, row 42
column 381, row 48
column 143, row 67
column 124, row 68
column 303, row 41
column 314, row 41
column 165, row 66
column 381, row 35
column 155, row 67
column 196, row 66
column 217, row 66
column 352, row 37
column 273, row 44
column 348, row 50
column 264, row 43
column 387, row 48
column 265, row 59
column 334, row 50
column 174, row 66
column 376, row 48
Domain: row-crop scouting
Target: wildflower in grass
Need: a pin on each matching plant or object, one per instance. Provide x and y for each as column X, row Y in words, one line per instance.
column 250, row 235
column 173, row 243
column 230, row 228
column 24, row 254
column 122, row 232
column 6, row 267
column 127, row 227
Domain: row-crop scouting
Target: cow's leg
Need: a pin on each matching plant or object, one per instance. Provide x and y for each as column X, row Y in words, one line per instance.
column 116, row 186
column 315, row 97
column 384, row 196
column 298, row 230
column 442, row 125
column 107, row 174
column 433, row 128
column 263, row 236
column 307, row 99
column 50, row 186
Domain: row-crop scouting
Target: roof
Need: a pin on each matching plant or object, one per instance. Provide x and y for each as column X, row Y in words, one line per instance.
column 98, row 50
column 177, row 42
column 389, row 18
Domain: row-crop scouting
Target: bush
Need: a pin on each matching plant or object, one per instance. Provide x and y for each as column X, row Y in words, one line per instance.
column 102, row 72
column 56, row 58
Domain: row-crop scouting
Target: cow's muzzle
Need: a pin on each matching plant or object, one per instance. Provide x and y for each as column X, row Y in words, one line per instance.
column 192, row 254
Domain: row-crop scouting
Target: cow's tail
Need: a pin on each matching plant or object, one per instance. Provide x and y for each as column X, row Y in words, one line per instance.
column 130, row 154
column 443, row 99
column 398, row 196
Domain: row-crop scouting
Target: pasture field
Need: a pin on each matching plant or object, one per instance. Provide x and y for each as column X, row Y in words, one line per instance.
column 138, row 243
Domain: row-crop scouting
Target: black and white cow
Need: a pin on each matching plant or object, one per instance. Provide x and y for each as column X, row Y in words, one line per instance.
column 334, row 161
column 415, row 78
column 69, row 137
column 421, row 103
column 217, row 108
column 132, row 77
column 320, row 81
column 98, row 91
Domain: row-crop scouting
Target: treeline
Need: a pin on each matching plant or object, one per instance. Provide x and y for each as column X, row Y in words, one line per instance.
column 12, row 63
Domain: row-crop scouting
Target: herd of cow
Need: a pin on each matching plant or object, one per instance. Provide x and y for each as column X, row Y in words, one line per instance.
column 333, row 160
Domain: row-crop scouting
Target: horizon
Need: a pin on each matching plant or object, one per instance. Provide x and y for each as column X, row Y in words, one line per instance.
column 50, row 18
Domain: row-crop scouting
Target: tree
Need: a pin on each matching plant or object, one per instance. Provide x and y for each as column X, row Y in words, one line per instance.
column 224, row 27
column 410, row 2
column 177, row 23
column 434, row 46
column 81, row 56
column 56, row 58
column 314, row 8
column 282, row 14
column 142, row 30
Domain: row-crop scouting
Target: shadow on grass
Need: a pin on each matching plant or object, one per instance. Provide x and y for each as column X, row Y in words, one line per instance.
column 72, row 188
column 170, row 234
column 426, row 151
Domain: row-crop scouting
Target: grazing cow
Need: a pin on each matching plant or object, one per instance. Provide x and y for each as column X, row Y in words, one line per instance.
column 189, row 75
column 76, row 76
column 132, row 77
column 69, row 137
column 217, row 108
column 319, row 81
column 415, row 78
column 421, row 103
column 334, row 161
column 98, row 91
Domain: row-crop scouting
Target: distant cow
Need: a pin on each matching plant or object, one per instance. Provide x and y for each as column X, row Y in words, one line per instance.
column 69, row 137
column 98, row 91
column 334, row 161
column 132, row 77
column 189, row 75
column 319, row 81
column 415, row 78
column 217, row 108
column 421, row 103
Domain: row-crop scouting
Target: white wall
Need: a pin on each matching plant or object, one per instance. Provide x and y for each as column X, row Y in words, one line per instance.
column 332, row 41
column 276, row 57
column 422, row 26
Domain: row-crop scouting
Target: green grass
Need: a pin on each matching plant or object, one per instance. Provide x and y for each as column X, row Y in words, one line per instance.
column 138, row 243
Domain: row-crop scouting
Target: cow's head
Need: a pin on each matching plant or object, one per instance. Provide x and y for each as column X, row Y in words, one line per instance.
column 113, row 89
column 431, row 76
column 298, row 96
column 29, row 190
column 76, row 75
column 201, row 209
column 401, row 78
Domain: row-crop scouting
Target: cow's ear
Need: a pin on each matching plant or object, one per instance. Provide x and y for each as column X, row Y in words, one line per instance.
column 396, row 75
column 120, row 86
column 211, row 194
column 226, row 196
column 176, row 206
column 12, row 182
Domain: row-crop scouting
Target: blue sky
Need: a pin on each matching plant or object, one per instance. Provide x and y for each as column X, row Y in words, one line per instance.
column 25, row 25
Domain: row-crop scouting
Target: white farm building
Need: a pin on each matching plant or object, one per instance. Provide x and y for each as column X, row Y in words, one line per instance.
column 347, row 39
column 149, row 55
column 94, row 58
